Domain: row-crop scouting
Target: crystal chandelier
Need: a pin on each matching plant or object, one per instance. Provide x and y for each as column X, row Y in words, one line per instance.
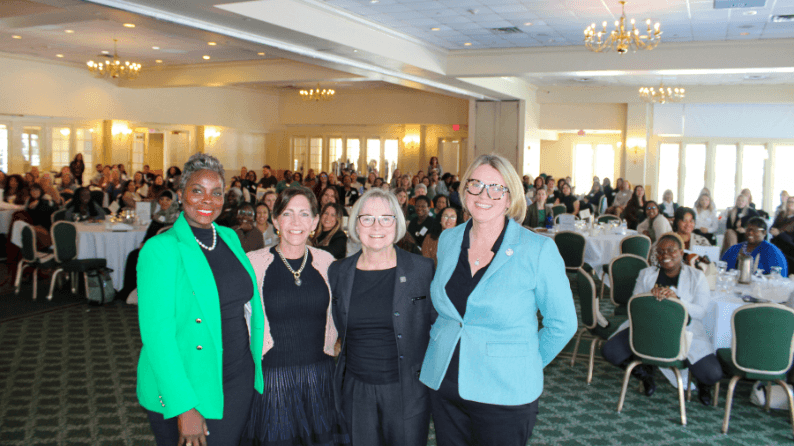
column 662, row 94
column 622, row 39
column 114, row 68
column 317, row 94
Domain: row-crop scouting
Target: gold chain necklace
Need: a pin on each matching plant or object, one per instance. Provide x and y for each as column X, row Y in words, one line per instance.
column 295, row 274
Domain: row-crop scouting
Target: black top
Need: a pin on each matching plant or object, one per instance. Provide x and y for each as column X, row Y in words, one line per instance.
column 568, row 201
column 234, row 290
column 370, row 343
column 268, row 182
column 667, row 282
column 41, row 214
column 337, row 246
column 459, row 288
column 420, row 230
column 296, row 314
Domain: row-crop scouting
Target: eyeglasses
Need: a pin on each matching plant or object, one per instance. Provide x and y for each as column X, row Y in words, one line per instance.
column 245, row 213
column 651, row 208
column 449, row 217
column 369, row 220
column 495, row 191
column 669, row 251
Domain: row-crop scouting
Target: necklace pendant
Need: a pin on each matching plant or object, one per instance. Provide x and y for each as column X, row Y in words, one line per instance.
column 477, row 262
column 298, row 281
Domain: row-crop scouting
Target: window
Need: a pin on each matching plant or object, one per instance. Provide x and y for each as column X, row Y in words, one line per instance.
column 334, row 154
column 353, row 154
column 60, row 147
column 316, row 154
column 668, row 168
column 724, row 191
column 605, row 162
column 4, row 148
column 390, row 151
column 695, row 178
column 784, row 181
column 753, row 161
column 138, row 144
column 30, row 145
column 299, row 147
column 583, row 168
column 373, row 155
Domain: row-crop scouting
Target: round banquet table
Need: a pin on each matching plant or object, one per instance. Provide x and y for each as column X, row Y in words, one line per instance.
column 600, row 249
column 6, row 211
column 95, row 241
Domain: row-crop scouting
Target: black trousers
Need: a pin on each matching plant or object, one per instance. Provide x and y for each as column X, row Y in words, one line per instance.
column 460, row 422
column 617, row 351
column 374, row 415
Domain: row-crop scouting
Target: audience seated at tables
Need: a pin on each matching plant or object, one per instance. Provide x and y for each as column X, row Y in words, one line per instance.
column 16, row 190
column 165, row 216
column 172, row 177
column 268, row 180
column 83, row 208
column 784, row 196
column 738, row 218
column 423, row 222
column 667, row 207
column 250, row 237
column 157, row 187
column 536, row 212
column 40, row 210
column 329, row 235
column 609, row 192
column 765, row 255
column 141, row 186
column 684, row 226
column 593, row 198
column 706, row 222
column 782, row 230
column 448, row 218
column 655, row 224
column 567, row 198
column 634, row 212
column 623, row 194
column 264, row 224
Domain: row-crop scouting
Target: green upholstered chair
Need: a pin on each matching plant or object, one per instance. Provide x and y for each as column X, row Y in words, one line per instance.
column 64, row 240
column 602, row 205
column 604, row 218
column 558, row 210
column 571, row 246
column 589, row 304
column 623, row 272
column 31, row 257
column 59, row 215
column 761, row 349
column 639, row 245
column 657, row 336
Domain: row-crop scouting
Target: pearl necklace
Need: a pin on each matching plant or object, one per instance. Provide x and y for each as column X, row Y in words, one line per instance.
column 295, row 274
column 214, row 240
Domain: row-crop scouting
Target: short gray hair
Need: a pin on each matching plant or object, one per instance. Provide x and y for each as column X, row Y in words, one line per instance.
column 198, row 162
column 421, row 186
column 380, row 194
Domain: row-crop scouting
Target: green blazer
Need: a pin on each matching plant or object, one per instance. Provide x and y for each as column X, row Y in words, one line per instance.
column 181, row 363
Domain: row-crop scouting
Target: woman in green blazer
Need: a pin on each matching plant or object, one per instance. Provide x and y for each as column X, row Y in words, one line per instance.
column 198, row 369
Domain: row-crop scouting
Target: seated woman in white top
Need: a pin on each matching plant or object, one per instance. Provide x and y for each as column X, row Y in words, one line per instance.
column 672, row 279
column 667, row 207
column 706, row 221
column 654, row 224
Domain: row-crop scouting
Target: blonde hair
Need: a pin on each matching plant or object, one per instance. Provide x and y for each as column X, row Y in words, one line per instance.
column 518, row 205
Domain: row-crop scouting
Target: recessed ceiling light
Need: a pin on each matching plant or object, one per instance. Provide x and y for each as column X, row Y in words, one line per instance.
column 155, row 47
column 205, row 57
column 16, row 37
column 69, row 31
column 355, row 51
column 59, row 56
column 467, row 44
column 129, row 25
column 528, row 24
column 105, row 52
column 435, row 29
column 211, row 43
column 374, row 1
column 744, row 34
column 260, row 53
column 750, row 12
column 158, row 61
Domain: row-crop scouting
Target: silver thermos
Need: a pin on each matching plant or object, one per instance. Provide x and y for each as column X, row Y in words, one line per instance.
column 745, row 266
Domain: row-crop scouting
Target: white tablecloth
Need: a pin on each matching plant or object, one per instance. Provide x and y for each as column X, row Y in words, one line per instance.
column 600, row 249
column 94, row 241
column 6, row 211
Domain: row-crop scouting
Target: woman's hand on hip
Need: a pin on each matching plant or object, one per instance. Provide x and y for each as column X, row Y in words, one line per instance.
column 192, row 429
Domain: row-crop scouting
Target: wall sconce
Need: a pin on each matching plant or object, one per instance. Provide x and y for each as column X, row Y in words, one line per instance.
column 636, row 148
column 411, row 142
column 211, row 135
column 120, row 131
column 66, row 131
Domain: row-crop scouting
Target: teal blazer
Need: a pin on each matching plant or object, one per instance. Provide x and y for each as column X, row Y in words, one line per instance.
column 502, row 353
column 181, row 362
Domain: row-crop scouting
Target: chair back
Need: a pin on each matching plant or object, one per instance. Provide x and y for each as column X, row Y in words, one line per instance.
column 623, row 272
column 657, row 328
column 588, row 301
column 763, row 337
column 28, row 243
column 98, row 196
column 607, row 218
column 59, row 215
column 64, row 241
column 571, row 246
column 639, row 245
column 558, row 209
column 602, row 205
column 557, row 218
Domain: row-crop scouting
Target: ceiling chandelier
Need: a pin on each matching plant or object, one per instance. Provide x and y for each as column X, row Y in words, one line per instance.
column 662, row 94
column 622, row 39
column 113, row 67
column 317, row 94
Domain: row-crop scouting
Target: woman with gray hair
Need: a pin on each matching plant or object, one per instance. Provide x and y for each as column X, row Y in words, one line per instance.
column 198, row 368
column 383, row 316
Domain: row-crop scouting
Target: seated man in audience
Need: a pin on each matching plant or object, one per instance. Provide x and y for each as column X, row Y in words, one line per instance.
column 422, row 223
column 349, row 191
column 267, row 180
column 765, row 255
column 250, row 236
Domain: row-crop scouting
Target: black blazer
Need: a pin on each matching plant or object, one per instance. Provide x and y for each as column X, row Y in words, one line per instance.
column 413, row 314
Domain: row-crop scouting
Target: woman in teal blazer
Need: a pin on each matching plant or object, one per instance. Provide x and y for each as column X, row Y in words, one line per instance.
column 486, row 356
column 198, row 369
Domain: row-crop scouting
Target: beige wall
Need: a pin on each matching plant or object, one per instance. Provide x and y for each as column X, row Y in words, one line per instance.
column 582, row 116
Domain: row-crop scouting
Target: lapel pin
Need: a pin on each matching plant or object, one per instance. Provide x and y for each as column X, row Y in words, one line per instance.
column 402, row 279
column 509, row 252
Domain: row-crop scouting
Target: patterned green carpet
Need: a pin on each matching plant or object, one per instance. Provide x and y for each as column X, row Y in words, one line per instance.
column 67, row 377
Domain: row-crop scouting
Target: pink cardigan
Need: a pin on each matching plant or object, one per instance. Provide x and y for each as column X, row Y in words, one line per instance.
column 321, row 260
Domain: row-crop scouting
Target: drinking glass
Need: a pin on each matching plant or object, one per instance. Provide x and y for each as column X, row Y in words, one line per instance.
column 722, row 266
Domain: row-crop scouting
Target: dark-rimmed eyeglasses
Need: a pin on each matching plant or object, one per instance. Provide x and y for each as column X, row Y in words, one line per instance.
column 495, row 191
column 384, row 220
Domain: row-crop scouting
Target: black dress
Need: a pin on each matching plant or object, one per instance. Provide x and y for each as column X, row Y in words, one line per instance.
column 297, row 405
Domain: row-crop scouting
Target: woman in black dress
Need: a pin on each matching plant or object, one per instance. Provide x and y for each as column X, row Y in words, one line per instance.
column 297, row 405
column 568, row 199
column 330, row 236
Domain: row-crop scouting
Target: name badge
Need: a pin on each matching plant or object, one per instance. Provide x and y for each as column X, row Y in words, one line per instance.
column 423, row 231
